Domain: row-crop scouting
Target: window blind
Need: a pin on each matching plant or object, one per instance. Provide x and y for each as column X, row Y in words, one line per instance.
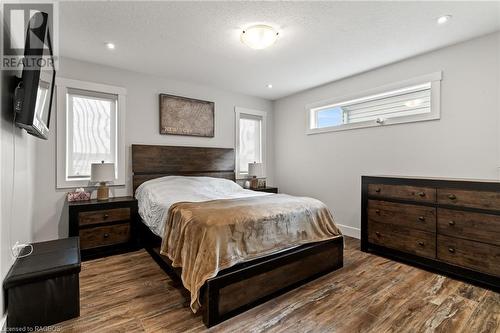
column 408, row 101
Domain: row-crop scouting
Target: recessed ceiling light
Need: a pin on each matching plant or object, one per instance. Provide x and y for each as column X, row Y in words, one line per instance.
column 259, row 36
column 444, row 19
column 110, row 46
column 269, row 85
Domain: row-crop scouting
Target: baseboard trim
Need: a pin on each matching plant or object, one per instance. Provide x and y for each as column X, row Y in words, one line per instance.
column 350, row 231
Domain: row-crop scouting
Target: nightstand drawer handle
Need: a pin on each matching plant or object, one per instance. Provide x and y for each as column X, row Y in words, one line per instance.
column 377, row 211
column 106, row 235
column 452, row 223
column 421, row 243
column 421, row 218
column 451, row 250
column 378, row 190
column 106, row 216
column 377, row 233
column 452, row 196
column 421, row 194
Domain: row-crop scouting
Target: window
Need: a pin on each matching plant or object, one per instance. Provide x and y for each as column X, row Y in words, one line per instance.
column 413, row 100
column 90, row 130
column 250, row 139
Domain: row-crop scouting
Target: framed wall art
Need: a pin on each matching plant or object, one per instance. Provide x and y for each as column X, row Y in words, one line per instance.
column 186, row 116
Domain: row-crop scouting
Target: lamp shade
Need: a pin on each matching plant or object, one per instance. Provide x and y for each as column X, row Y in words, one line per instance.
column 102, row 172
column 255, row 169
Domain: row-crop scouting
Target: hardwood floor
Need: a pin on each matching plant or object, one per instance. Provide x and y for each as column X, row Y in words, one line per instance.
column 130, row 293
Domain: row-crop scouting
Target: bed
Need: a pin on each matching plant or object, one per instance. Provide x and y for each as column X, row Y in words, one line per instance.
column 236, row 285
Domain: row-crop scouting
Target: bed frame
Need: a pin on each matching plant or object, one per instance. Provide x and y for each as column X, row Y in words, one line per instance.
column 243, row 286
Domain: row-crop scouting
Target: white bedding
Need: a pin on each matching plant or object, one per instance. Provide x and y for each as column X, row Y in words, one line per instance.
column 156, row 196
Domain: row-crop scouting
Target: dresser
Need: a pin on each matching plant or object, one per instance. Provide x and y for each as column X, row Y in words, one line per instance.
column 104, row 227
column 449, row 226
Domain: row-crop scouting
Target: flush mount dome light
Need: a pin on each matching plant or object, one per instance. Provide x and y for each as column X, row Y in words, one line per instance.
column 259, row 36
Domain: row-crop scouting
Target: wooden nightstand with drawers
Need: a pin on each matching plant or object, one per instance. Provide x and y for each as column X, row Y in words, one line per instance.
column 105, row 227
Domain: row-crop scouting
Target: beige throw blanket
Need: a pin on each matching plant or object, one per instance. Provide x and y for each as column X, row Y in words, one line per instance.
column 206, row 237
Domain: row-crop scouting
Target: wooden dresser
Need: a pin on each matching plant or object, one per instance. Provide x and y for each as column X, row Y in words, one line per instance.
column 445, row 225
column 105, row 227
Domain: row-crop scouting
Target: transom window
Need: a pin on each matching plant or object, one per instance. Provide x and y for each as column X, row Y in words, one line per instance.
column 391, row 105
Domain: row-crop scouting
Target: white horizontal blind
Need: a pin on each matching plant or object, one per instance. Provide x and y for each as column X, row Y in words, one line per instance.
column 91, row 131
column 409, row 101
column 405, row 102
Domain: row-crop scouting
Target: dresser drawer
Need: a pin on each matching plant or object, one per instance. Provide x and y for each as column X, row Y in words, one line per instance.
column 103, row 216
column 469, row 254
column 408, row 240
column 473, row 226
column 414, row 193
column 104, row 236
column 413, row 216
column 467, row 198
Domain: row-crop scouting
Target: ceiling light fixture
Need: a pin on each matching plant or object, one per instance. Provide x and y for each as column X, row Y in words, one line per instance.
column 110, row 46
column 259, row 36
column 269, row 85
column 444, row 19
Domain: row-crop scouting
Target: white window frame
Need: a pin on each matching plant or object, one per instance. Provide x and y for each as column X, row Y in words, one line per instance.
column 433, row 78
column 62, row 86
column 255, row 113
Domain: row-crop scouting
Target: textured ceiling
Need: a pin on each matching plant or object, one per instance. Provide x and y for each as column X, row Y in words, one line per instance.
column 319, row 41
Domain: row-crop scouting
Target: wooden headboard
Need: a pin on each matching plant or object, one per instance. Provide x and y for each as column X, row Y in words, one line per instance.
column 152, row 161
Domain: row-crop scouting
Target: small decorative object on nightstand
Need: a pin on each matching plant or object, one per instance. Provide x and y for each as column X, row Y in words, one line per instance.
column 102, row 173
column 267, row 189
column 255, row 172
column 104, row 227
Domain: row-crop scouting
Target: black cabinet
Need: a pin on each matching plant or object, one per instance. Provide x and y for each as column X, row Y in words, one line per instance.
column 43, row 288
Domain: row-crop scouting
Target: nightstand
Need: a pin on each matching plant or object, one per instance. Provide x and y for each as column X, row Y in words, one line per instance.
column 105, row 227
column 266, row 189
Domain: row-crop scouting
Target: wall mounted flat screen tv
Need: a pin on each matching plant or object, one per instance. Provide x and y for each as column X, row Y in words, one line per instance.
column 34, row 93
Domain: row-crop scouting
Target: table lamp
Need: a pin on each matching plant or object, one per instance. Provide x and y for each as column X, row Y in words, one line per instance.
column 102, row 173
column 255, row 172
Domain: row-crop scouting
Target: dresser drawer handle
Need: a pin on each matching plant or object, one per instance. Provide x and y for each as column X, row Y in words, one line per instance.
column 452, row 196
column 452, row 223
column 451, row 250
column 106, row 235
column 421, row 243
column 378, row 189
column 421, row 218
column 421, row 194
column 377, row 233
column 377, row 211
column 106, row 216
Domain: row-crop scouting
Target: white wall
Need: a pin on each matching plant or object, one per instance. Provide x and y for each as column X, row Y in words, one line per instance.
column 142, row 126
column 463, row 143
column 16, row 180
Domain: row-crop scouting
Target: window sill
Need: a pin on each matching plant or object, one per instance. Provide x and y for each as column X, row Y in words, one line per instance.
column 72, row 184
